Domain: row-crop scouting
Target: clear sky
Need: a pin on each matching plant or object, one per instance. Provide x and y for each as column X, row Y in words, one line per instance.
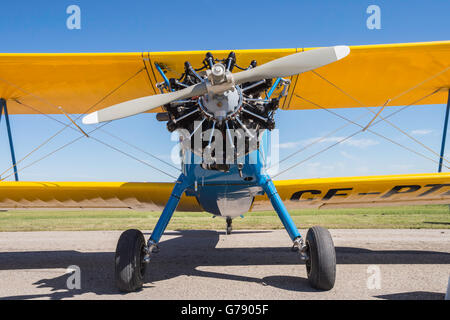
column 116, row 26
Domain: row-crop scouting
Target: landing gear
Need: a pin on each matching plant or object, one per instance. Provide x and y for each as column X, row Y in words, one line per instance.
column 133, row 254
column 320, row 258
column 229, row 225
column 318, row 252
column 129, row 261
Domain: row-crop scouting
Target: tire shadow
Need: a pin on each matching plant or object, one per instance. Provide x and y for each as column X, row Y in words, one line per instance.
column 183, row 255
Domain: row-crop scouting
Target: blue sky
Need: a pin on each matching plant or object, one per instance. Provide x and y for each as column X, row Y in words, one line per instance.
column 115, row 26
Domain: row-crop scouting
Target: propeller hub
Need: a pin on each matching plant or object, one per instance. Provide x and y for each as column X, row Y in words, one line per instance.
column 218, row 73
column 219, row 80
column 221, row 106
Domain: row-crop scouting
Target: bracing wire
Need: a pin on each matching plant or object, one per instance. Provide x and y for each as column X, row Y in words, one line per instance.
column 369, row 130
column 101, row 129
column 317, row 153
column 390, row 100
column 349, row 123
column 70, row 126
column 139, row 149
column 104, row 143
column 316, row 141
column 54, row 106
column 344, row 139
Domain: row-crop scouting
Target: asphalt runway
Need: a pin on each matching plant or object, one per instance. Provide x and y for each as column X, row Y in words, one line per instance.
column 371, row 264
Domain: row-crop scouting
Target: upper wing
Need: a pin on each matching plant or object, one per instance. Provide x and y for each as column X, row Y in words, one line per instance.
column 370, row 75
column 411, row 189
column 79, row 83
column 86, row 82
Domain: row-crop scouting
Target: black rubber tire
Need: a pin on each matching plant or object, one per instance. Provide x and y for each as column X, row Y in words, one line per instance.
column 129, row 261
column 229, row 225
column 321, row 264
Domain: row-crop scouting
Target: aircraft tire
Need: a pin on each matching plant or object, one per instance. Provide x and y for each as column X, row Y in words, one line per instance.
column 229, row 225
column 129, row 263
column 321, row 264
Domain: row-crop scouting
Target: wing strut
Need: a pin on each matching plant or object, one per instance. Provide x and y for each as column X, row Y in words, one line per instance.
column 8, row 128
column 444, row 134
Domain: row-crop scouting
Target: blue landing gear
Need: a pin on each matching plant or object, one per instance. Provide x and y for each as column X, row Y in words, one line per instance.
column 133, row 255
column 318, row 252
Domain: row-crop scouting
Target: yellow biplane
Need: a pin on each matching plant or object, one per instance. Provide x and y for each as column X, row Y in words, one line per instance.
column 223, row 103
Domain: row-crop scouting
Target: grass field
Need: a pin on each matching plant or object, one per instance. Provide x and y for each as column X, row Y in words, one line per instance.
column 411, row 217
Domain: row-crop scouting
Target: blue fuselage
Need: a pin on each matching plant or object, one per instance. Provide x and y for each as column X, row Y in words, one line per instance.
column 227, row 194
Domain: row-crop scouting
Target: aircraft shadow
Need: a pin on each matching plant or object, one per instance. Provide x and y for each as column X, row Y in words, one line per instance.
column 416, row 295
column 184, row 254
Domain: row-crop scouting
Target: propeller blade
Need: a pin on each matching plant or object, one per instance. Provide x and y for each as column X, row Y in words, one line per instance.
column 282, row 67
column 132, row 107
column 293, row 64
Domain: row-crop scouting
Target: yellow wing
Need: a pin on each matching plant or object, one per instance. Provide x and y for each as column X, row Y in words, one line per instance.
column 131, row 195
column 370, row 75
column 305, row 193
column 86, row 82
column 80, row 83
column 411, row 189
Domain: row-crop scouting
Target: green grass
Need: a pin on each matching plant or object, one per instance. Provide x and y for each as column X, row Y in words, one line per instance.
column 408, row 217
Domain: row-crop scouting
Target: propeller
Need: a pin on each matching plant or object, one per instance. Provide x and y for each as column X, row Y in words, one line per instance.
column 283, row 67
column 132, row 107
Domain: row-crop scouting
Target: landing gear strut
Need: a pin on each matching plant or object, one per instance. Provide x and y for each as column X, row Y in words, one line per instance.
column 133, row 255
column 318, row 252
column 229, row 225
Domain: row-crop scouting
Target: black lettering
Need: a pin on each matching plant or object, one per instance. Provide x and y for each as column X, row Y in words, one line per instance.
column 434, row 188
column 399, row 189
column 368, row 193
column 296, row 196
column 334, row 193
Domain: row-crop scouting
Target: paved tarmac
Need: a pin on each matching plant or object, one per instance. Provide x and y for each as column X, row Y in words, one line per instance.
column 371, row 264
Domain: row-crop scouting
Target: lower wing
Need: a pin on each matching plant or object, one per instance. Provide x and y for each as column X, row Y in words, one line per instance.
column 369, row 191
column 410, row 189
